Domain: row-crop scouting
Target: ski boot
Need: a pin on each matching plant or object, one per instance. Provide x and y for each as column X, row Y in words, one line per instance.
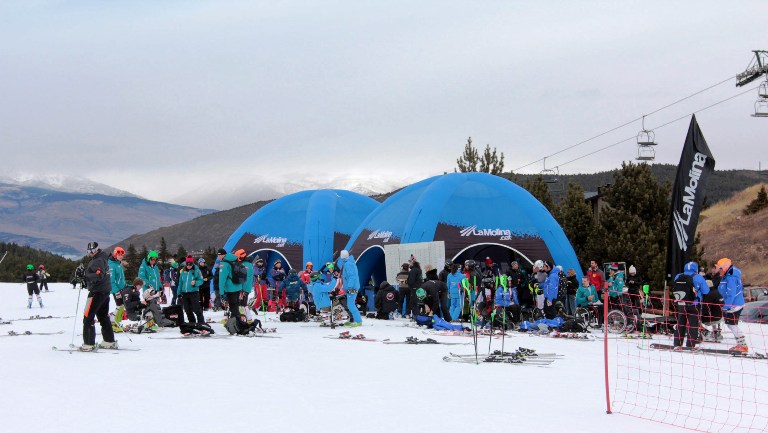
column 40, row 301
column 345, row 335
column 108, row 345
column 87, row 348
column 29, row 304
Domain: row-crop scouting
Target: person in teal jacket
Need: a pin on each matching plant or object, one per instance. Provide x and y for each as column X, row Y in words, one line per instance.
column 242, row 256
column 351, row 281
column 229, row 291
column 616, row 287
column 117, row 277
column 149, row 271
column 190, row 280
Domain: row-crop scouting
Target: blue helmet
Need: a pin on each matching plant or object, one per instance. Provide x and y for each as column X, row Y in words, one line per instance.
column 691, row 268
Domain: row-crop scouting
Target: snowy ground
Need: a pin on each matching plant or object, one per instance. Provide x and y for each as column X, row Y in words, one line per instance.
column 300, row 382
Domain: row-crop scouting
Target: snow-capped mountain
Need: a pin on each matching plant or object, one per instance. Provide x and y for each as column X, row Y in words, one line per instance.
column 61, row 183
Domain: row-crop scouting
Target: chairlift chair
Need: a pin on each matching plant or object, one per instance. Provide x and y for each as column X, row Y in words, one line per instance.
column 761, row 108
column 762, row 91
column 549, row 175
column 646, row 137
column 645, row 153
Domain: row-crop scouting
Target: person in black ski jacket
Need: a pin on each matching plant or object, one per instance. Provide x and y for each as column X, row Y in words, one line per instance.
column 205, row 288
column 404, row 289
column 78, row 277
column 97, row 304
column 386, row 301
column 31, row 278
column 415, row 280
column 439, row 291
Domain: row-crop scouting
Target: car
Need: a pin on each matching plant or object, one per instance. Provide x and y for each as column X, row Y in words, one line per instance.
column 755, row 312
column 755, row 294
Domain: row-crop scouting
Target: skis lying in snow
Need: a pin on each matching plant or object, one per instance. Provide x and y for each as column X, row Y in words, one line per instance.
column 521, row 356
column 636, row 336
column 414, row 340
column 708, row 351
column 16, row 334
column 565, row 335
column 38, row 317
column 78, row 350
column 347, row 336
column 520, row 351
column 191, row 337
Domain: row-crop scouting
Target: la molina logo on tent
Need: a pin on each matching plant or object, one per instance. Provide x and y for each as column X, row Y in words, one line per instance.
column 503, row 235
column 266, row 239
column 380, row 234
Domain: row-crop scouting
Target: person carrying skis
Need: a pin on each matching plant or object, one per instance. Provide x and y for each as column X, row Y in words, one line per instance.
column 732, row 291
column 190, row 280
column 31, row 278
column 43, row 276
column 689, row 288
column 97, row 304
column 351, row 282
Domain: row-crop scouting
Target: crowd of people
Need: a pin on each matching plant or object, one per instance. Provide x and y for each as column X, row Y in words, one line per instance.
column 474, row 293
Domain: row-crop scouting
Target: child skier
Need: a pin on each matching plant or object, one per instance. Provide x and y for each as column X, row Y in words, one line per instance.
column 31, row 278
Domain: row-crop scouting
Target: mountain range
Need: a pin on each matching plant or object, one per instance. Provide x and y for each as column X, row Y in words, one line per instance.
column 63, row 214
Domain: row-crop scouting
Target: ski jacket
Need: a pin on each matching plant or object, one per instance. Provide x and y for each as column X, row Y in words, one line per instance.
column 583, row 292
column 699, row 283
column 386, row 300
column 150, row 274
column 187, row 278
column 572, row 285
column 97, row 274
column 276, row 276
column 225, row 276
column 293, row 286
column 31, row 278
column 305, row 276
column 634, row 284
column 506, row 297
column 551, row 286
column 248, row 283
column 616, row 284
column 415, row 278
column 42, row 275
column 596, row 278
column 454, row 284
column 349, row 273
column 320, row 292
column 171, row 276
column 116, row 275
column 205, row 272
column 732, row 290
column 261, row 274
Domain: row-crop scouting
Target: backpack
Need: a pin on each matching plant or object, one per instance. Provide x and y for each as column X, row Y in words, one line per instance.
column 402, row 281
column 239, row 273
column 683, row 289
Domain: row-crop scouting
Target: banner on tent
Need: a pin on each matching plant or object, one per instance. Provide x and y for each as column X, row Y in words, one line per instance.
column 426, row 253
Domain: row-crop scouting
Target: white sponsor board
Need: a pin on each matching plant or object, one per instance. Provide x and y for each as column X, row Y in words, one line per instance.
column 426, row 253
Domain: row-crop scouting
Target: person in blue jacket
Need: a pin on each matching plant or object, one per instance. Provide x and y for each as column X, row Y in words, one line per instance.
column 351, row 281
column 293, row 286
column 455, row 291
column 732, row 291
column 507, row 307
column 550, row 285
column 689, row 309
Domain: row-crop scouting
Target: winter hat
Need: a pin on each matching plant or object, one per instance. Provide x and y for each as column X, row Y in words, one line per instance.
column 174, row 265
column 221, row 251
column 632, row 270
column 30, row 267
column 201, row 261
column 344, row 254
column 614, row 266
column 190, row 259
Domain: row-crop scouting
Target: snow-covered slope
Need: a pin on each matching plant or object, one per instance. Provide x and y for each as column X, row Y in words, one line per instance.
column 61, row 183
column 300, row 382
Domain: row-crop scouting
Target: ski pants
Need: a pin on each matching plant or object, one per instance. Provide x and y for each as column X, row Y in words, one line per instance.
column 190, row 301
column 405, row 297
column 440, row 324
column 32, row 288
column 233, row 299
column 97, row 307
column 175, row 292
column 352, row 307
column 44, row 283
column 688, row 317
column 456, row 306
column 205, row 297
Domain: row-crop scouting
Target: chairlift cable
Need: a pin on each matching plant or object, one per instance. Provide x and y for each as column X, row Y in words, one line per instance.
column 658, row 127
column 628, row 123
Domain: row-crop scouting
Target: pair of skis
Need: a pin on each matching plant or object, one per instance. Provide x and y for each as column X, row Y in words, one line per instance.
column 347, row 336
column 76, row 349
column 522, row 356
column 708, row 351
column 414, row 340
column 17, row 334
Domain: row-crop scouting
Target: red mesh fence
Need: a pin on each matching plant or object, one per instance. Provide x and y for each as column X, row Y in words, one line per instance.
column 710, row 388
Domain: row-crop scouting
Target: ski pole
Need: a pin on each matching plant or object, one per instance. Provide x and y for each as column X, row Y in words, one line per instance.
column 490, row 335
column 74, row 325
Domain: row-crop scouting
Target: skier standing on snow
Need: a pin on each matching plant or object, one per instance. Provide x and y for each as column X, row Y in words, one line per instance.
column 117, row 280
column 97, row 304
column 242, row 257
column 78, row 277
column 689, row 288
column 351, row 281
column 731, row 289
column 204, row 289
column 190, row 281
column 455, row 291
column 43, row 277
column 150, row 272
column 30, row 277
column 230, row 291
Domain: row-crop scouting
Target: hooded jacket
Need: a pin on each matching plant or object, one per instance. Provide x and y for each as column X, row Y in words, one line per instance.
column 97, row 274
column 186, row 278
column 293, row 285
column 116, row 275
column 225, row 276
column 349, row 273
column 699, row 283
column 386, row 300
column 732, row 290
column 150, row 274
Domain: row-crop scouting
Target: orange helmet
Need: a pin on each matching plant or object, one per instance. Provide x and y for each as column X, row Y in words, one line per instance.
column 240, row 253
column 117, row 251
column 724, row 264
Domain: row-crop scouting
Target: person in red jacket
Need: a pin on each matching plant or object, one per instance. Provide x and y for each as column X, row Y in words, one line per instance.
column 596, row 278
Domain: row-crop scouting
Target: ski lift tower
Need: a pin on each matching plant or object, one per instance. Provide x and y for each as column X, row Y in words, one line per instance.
column 756, row 69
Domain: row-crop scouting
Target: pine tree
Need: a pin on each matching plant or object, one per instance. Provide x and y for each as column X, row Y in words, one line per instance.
column 134, row 261
column 758, row 204
column 540, row 191
column 163, row 251
column 634, row 224
column 575, row 217
column 181, row 253
column 471, row 160
column 142, row 255
column 210, row 256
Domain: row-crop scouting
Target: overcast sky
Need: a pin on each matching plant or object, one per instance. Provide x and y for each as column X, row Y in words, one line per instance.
column 176, row 99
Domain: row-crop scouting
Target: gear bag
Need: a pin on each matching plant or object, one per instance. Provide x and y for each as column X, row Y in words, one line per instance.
column 683, row 289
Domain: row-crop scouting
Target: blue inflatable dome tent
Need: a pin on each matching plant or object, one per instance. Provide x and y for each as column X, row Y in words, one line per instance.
column 307, row 226
column 477, row 215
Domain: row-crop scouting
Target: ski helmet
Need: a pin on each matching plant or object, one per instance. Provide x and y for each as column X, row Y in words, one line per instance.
column 314, row 276
column 421, row 294
column 448, row 264
column 201, row 261
column 470, row 264
column 152, row 255
column 117, row 251
column 724, row 265
column 30, row 267
column 92, row 247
